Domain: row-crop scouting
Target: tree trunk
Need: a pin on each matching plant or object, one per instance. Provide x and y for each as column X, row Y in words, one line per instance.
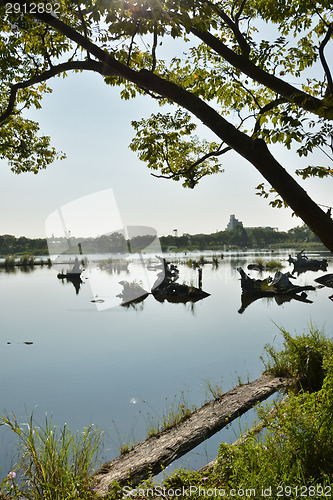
column 154, row 454
column 296, row 197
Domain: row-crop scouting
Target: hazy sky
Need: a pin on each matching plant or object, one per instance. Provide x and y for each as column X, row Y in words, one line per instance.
column 91, row 124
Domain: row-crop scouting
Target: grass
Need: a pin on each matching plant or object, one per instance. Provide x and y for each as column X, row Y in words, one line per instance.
column 124, row 443
column 213, row 389
column 9, row 262
column 270, row 265
column 175, row 412
column 301, row 358
column 125, row 449
column 54, row 464
column 24, row 261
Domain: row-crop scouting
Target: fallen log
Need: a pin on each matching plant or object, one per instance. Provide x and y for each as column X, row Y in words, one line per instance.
column 153, row 455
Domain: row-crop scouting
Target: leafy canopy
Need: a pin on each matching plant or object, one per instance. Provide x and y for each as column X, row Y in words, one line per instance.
column 161, row 143
column 21, row 46
column 249, row 60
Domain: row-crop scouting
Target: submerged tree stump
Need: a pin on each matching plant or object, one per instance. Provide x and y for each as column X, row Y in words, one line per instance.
column 157, row 452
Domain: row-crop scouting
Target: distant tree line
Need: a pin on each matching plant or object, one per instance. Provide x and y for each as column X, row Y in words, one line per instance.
column 111, row 243
column 240, row 237
column 10, row 245
column 106, row 243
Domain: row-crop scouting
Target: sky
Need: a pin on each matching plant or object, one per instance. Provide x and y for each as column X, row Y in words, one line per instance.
column 88, row 121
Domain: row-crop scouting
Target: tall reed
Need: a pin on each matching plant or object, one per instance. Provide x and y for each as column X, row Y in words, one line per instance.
column 54, row 463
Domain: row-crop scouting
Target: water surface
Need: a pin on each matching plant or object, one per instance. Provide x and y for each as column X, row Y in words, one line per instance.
column 120, row 368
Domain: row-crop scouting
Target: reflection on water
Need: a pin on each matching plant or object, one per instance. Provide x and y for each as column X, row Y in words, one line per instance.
column 86, row 364
column 164, row 288
column 247, row 300
column 75, row 280
column 279, row 288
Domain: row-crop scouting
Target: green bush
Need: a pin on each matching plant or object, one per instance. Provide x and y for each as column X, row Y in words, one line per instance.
column 301, row 358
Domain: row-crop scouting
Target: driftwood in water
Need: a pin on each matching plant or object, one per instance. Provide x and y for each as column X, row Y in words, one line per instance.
column 73, row 278
column 176, row 292
column 154, row 454
column 132, row 293
column 269, row 287
column 303, row 263
column 166, row 287
column 326, row 280
column 280, row 288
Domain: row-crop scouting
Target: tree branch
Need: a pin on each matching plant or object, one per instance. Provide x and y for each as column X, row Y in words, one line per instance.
column 292, row 94
column 154, row 83
column 268, row 107
column 248, row 91
column 46, row 75
column 244, row 46
column 132, row 42
column 190, row 169
column 239, row 13
column 166, row 156
column 34, row 61
column 323, row 59
column 153, row 66
column 81, row 16
column 209, row 155
column 47, row 55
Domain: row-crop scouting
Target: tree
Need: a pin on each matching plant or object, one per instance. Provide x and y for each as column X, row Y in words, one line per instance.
column 228, row 70
column 301, row 234
column 239, row 237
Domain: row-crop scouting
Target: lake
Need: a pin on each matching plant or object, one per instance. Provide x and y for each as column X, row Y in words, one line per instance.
column 122, row 367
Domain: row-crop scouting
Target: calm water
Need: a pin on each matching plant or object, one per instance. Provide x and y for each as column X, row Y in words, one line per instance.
column 119, row 368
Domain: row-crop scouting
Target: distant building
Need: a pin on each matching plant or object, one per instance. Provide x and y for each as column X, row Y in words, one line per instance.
column 233, row 222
